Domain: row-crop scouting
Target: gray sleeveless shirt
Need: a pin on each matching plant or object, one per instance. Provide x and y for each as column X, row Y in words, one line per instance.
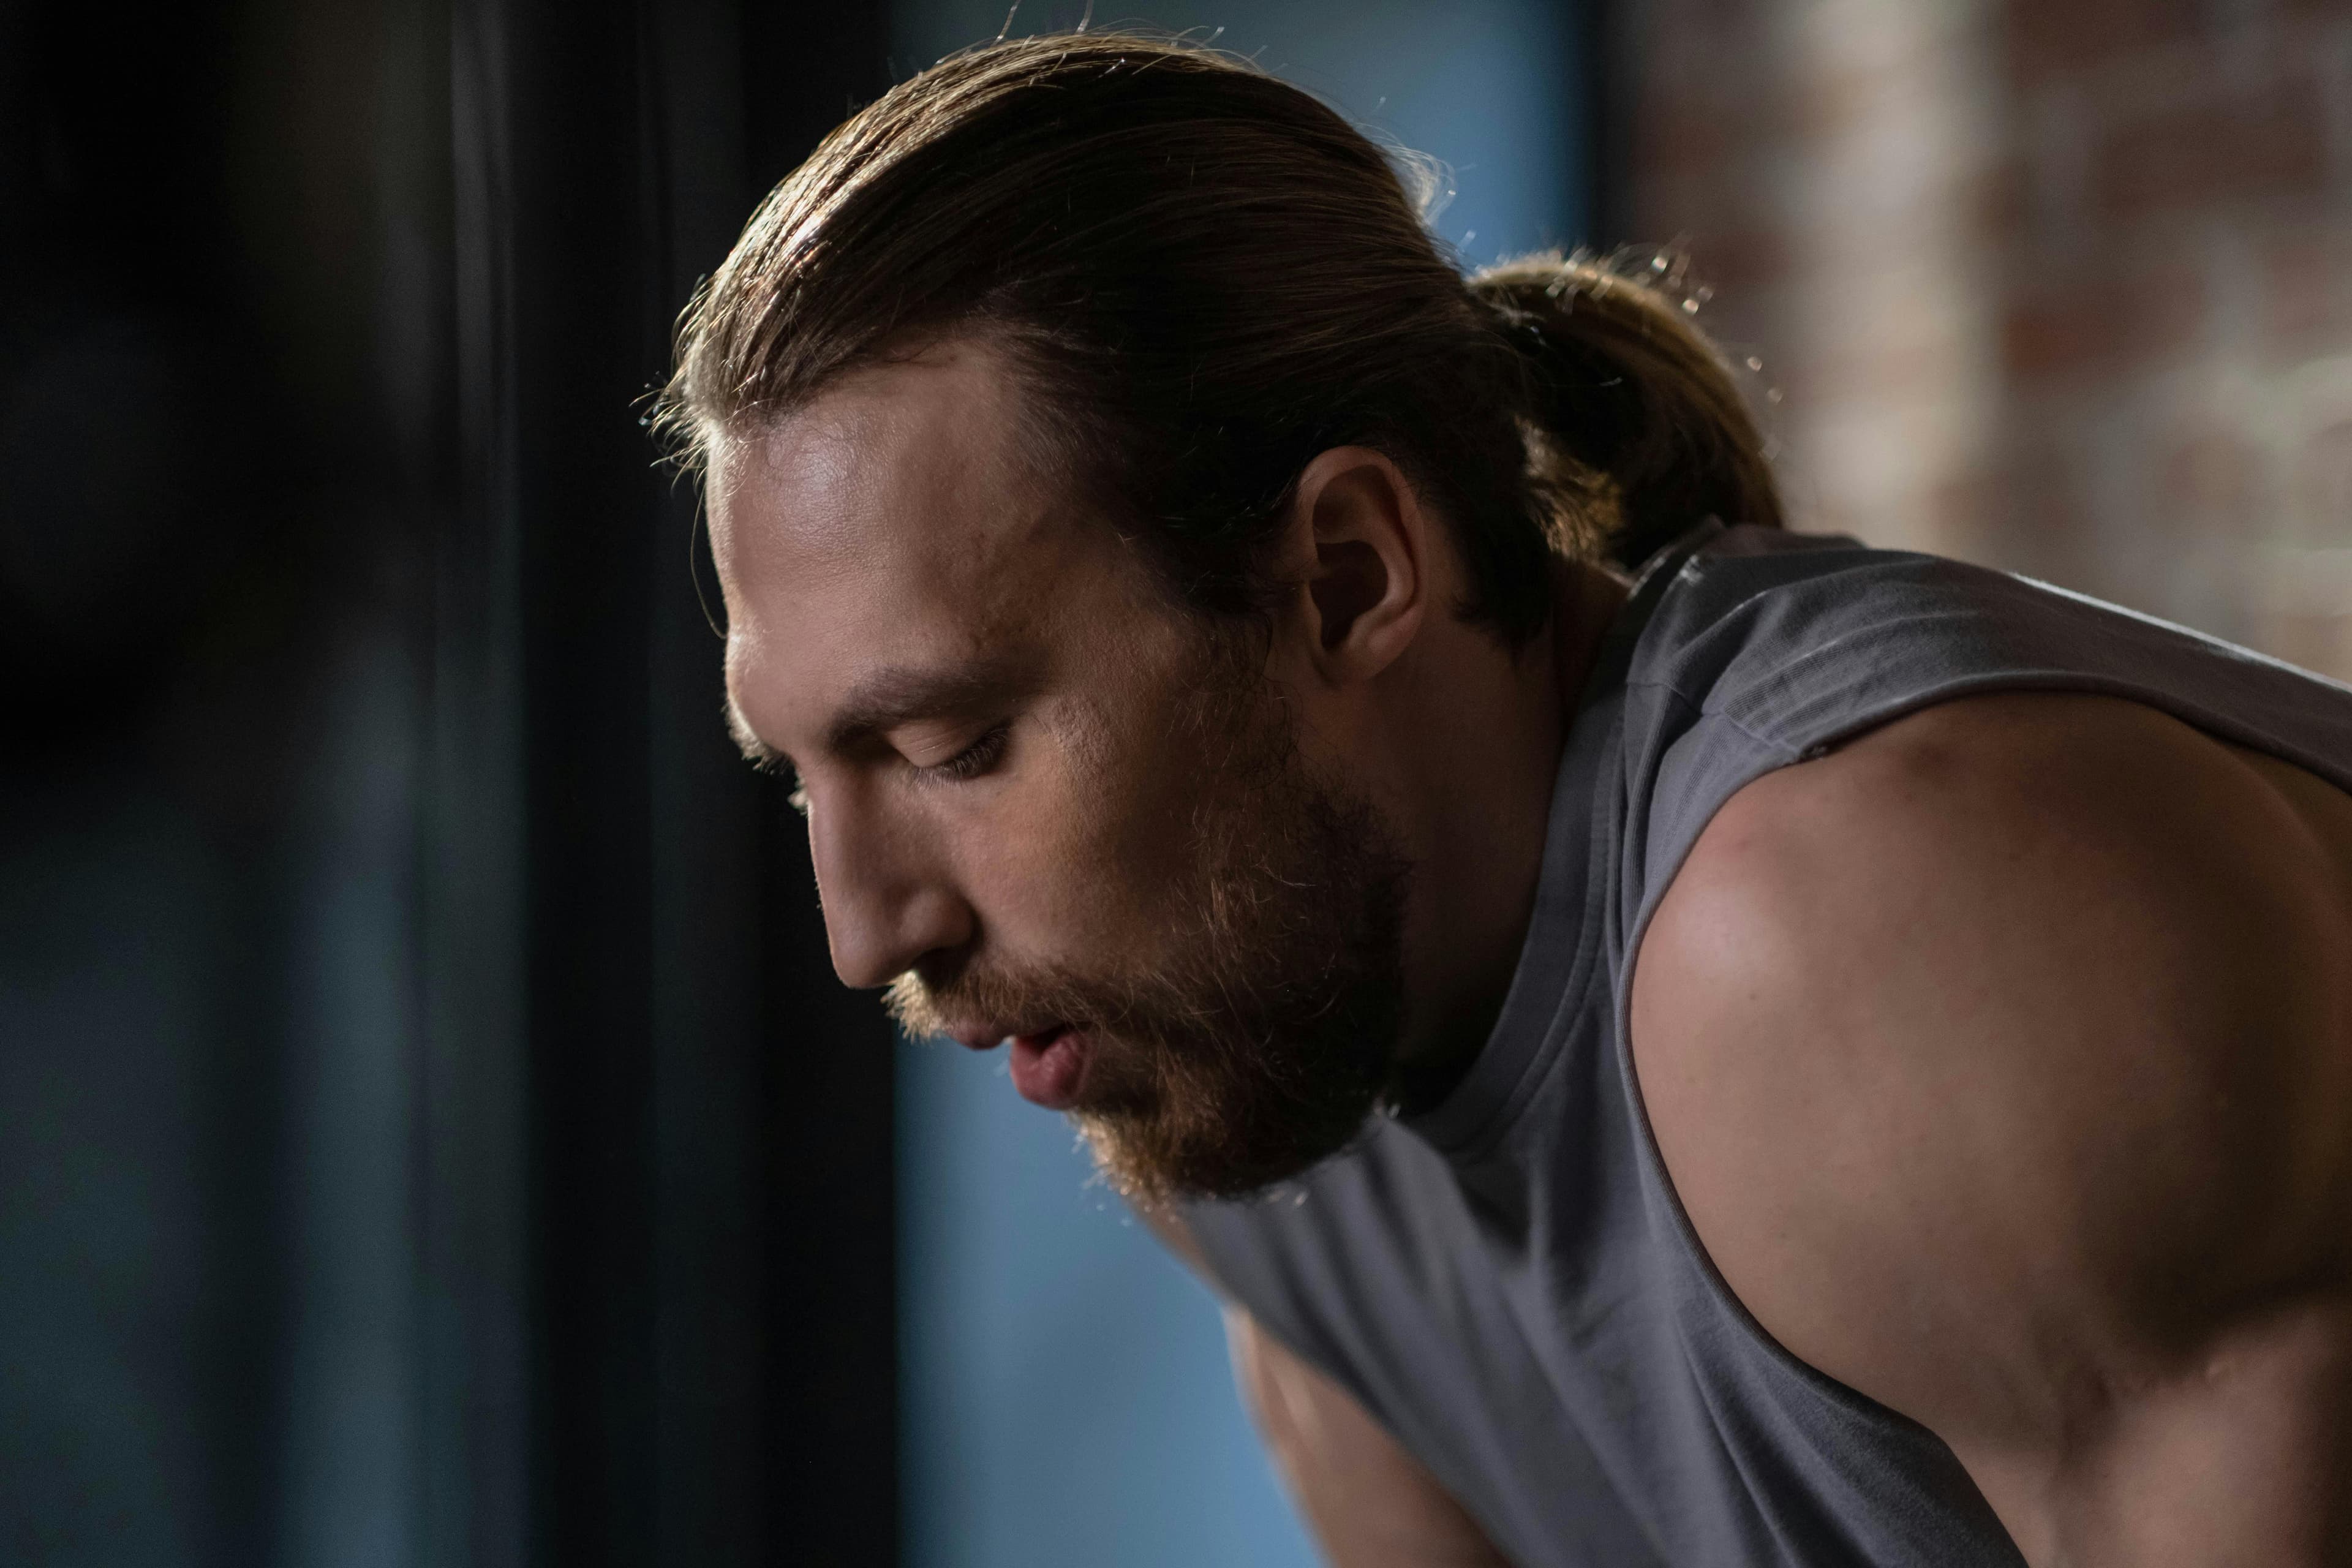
column 1507, row 1282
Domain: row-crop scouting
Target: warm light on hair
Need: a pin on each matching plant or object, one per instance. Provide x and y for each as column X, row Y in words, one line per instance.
column 1208, row 276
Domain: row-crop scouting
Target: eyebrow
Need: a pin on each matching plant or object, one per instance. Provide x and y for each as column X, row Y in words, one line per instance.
column 895, row 696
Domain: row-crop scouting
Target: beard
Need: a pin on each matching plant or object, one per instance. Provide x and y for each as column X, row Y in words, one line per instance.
column 1262, row 1034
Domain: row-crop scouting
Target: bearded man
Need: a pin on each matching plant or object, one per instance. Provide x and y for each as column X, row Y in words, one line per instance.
column 1796, row 1054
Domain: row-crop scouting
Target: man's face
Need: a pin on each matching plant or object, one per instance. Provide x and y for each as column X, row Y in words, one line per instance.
column 1045, row 805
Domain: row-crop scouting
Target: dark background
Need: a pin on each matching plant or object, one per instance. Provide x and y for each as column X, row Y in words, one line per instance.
column 428, row 1129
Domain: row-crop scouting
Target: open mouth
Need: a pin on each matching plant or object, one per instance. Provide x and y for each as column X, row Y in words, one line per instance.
column 1049, row 1067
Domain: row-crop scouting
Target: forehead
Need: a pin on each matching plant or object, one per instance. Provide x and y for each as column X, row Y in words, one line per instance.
column 917, row 465
column 900, row 518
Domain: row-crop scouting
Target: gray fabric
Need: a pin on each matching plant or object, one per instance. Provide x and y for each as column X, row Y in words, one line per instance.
column 1508, row 1282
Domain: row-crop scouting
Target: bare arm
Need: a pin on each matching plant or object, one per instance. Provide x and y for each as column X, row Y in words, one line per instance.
column 2004, row 1062
column 1369, row 1503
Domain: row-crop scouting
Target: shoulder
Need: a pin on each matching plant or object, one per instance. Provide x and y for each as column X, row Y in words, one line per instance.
column 2000, row 1049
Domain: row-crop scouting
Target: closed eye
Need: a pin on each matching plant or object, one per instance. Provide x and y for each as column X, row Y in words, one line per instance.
column 971, row 762
column 975, row 759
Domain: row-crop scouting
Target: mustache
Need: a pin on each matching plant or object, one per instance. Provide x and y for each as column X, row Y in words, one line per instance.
column 1149, row 1043
column 1160, row 1009
column 1244, row 962
column 924, row 1006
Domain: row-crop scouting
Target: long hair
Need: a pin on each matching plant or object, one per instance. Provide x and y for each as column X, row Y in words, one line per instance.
column 1206, row 277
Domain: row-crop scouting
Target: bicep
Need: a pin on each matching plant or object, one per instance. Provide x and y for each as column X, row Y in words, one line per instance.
column 2001, row 1063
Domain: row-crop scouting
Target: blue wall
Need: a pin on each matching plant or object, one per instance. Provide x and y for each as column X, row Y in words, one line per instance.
column 1066, row 1398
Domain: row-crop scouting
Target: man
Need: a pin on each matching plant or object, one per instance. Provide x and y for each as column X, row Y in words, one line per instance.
column 1809, row 1055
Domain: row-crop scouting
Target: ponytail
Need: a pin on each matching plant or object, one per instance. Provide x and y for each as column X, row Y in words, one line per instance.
column 1639, row 431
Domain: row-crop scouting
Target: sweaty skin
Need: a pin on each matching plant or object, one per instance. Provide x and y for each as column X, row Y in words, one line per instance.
column 2002, row 1059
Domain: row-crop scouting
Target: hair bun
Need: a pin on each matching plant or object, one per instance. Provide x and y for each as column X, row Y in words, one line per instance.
column 1640, row 428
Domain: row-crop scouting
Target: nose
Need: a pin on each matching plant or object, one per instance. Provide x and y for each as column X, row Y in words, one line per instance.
column 887, row 899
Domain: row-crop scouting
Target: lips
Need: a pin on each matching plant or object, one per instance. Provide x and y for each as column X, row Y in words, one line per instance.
column 1049, row 1068
column 1049, row 1061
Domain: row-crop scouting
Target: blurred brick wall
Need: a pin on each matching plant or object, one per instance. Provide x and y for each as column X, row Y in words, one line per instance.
column 2063, row 286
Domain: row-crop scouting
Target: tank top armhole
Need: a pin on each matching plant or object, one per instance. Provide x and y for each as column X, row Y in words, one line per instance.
column 2206, row 718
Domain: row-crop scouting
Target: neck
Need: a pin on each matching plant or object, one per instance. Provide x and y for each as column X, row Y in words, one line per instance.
column 1495, row 729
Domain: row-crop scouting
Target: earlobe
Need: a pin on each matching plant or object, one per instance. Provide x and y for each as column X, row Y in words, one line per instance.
column 1364, row 532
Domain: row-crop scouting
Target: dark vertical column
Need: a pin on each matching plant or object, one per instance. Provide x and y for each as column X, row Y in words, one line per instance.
column 475, row 1152
column 574, row 224
column 712, row 1218
column 1608, row 40
column 831, row 1249
column 716, row 1330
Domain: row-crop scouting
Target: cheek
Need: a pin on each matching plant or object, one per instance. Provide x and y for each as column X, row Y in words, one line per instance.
column 1088, row 848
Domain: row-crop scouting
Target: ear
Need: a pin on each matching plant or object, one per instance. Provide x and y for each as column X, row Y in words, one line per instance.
column 1359, row 550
